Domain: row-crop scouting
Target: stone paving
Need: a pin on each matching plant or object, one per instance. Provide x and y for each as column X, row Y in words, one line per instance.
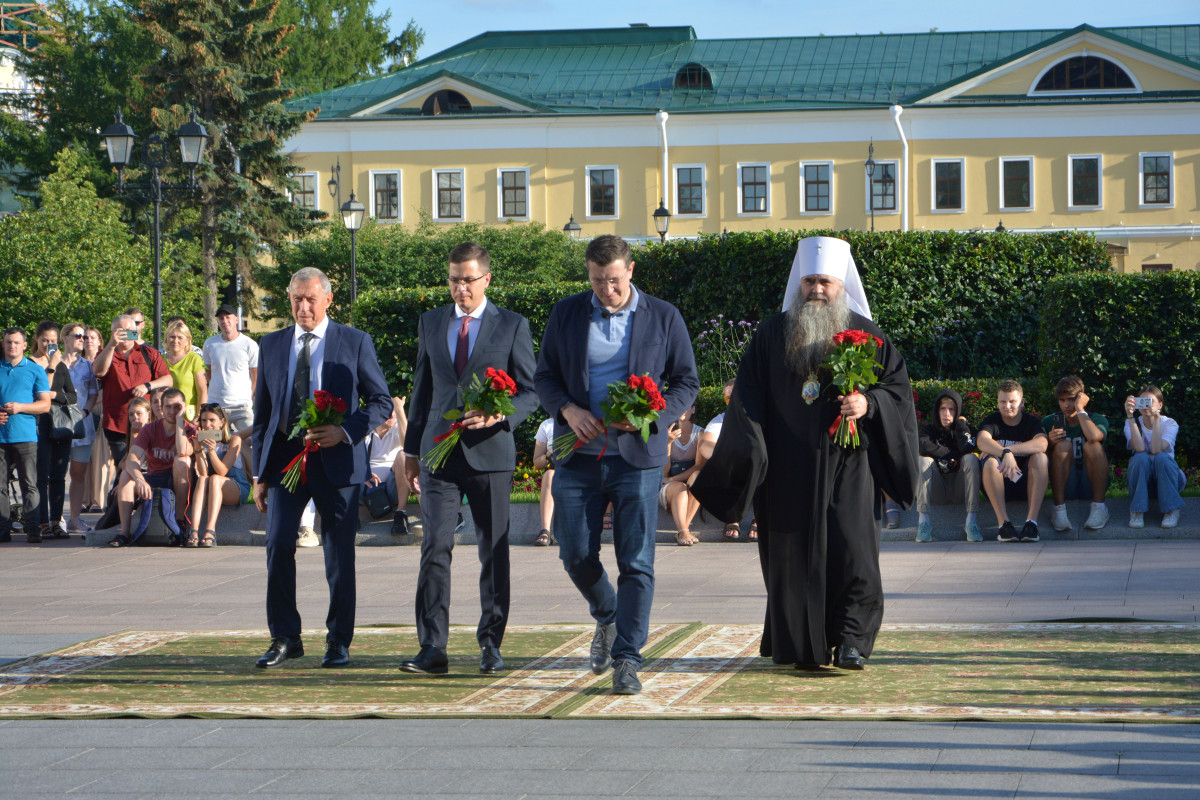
column 63, row 592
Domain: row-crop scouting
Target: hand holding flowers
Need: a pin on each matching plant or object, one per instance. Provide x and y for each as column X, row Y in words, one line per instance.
column 490, row 398
column 322, row 410
column 853, row 364
column 634, row 402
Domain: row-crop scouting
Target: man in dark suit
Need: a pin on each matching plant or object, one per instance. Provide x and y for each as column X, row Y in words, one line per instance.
column 593, row 339
column 455, row 343
column 315, row 353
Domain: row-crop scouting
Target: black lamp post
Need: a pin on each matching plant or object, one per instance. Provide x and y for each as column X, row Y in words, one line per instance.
column 352, row 216
column 119, row 139
column 572, row 228
column 662, row 220
column 1000, row 228
column 335, row 182
column 870, row 167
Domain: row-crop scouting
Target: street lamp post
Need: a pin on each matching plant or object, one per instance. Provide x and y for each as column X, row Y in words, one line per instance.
column 352, row 217
column 572, row 228
column 870, row 167
column 119, row 140
column 662, row 220
column 335, row 182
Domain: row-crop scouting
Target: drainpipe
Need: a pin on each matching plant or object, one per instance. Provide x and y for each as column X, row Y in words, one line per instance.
column 896, row 112
column 662, row 122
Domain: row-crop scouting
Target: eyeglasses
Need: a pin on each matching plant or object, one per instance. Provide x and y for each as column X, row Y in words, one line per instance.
column 210, row 406
column 464, row 281
column 612, row 283
column 77, row 335
column 139, row 322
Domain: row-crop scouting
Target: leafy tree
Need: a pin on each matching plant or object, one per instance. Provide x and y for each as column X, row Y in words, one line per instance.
column 73, row 258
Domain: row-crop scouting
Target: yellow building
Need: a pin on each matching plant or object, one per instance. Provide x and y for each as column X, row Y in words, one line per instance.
column 1087, row 129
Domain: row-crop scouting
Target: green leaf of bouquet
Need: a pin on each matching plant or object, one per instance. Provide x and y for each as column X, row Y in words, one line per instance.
column 452, row 414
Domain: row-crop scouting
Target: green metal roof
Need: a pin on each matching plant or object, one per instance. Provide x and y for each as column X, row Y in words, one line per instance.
column 615, row 70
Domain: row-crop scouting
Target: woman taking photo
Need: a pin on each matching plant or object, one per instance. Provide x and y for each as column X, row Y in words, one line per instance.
column 54, row 450
column 1151, row 436
column 219, row 476
column 187, row 368
column 87, row 390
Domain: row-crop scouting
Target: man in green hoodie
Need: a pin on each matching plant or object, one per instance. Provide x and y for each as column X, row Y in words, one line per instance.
column 949, row 466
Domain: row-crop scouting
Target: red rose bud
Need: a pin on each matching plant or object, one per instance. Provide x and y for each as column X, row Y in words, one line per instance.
column 878, row 341
column 339, row 405
column 322, row 401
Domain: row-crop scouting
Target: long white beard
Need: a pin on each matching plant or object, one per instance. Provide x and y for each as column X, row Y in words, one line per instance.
column 810, row 330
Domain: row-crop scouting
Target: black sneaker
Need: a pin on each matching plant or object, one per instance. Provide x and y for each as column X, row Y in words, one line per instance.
column 1007, row 533
column 400, row 524
column 1029, row 533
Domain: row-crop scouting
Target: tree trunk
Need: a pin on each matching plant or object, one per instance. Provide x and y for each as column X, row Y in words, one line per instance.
column 208, row 262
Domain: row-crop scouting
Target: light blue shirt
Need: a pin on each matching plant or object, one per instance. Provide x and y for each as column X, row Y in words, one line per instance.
column 21, row 383
column 609, row 341
column 472, row 328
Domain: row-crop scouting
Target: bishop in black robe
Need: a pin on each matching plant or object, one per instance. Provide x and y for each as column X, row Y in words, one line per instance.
column 818, row 505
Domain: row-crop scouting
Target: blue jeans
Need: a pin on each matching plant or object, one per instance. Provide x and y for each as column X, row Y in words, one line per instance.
column 1160, row 472
column 583, row 487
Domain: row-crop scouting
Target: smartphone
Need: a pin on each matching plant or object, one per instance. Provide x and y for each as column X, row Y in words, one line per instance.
column 1060, row 420
column 1142, row 402
column 51, row 349
column 203, row 435
column 1016, row 476
column 130, row 336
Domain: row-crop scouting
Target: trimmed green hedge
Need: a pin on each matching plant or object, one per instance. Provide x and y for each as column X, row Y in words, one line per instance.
column 956, row 304
column 1119, row 332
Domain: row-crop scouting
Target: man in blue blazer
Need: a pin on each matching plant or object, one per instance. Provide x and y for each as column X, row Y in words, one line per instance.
column 456, row 343
column 315, row 353
column 594, row 339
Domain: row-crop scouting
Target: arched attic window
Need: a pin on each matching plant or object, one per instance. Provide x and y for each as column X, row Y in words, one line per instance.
column 693, row 76
column 445, row 101
column 1085, row 73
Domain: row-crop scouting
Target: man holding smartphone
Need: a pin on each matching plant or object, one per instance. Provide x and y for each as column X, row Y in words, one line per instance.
column 1014, row 461
column 126, row 369
column 1078, row 464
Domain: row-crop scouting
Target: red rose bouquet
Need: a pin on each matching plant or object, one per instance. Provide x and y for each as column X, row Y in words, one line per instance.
column 853, row 365
column 491, row 396
column 636, row 401
column 322, row 409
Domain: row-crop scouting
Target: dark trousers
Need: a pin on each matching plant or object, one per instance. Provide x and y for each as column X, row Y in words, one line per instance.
column 488, row 494
column 338, row 507
column 24, row 456
column 117, row 445
column 53, row 461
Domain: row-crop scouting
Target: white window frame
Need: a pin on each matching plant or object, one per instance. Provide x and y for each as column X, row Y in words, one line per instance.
column 962, row 185
column 1142, row 181
column 316, row 176
column 500, row 215
column 399, row 195
column 804, row 189
column 1017, row 209
column 462, row 173
column 587, row 195
column 741, row 165
column 1071, row 204
column 867, row 181
column 703, row 191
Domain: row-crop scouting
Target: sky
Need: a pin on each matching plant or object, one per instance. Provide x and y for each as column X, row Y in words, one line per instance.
column 448, row 22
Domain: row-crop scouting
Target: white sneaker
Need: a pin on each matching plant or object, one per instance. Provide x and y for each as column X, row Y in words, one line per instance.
column 1135, row 520
column 1098, row 518
column 1171, row 519
column 308, row 538
column 76, row 525
column 1059, row 519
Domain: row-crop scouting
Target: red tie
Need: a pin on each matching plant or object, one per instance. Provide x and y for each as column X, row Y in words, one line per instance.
column 460, row 352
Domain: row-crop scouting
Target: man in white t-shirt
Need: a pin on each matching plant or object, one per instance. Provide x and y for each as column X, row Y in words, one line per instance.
column 231, row 361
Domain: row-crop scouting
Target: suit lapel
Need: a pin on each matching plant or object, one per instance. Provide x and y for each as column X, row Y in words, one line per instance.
column 440, row 354
column 582, row 323
column 642, row 319
column 281, row 382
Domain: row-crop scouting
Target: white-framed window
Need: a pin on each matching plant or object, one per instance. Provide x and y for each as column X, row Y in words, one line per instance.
column 816, row 187
column 691, row 189
column 1085, row 184
column 386, row 198
column 306, row 194
column 881, row 188
column 1016, row 183
column 603, row 192
column 449, row 197
column 754, row 189
column 512, row 193
column 948, row 182
column 1156, row 177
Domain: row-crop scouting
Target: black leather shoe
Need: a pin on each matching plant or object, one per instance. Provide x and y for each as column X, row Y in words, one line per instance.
column 336, row 655
column 848, row 657
column 280, row 651
column 625, row 679
column 490, row 660
column 430, row 661
column 602, row 642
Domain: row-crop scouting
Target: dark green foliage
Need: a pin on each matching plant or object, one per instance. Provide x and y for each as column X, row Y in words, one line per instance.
column 1119, row 332
column 956, row 304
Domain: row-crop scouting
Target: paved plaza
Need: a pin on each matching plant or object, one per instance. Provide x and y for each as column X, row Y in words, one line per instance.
column 62, row 592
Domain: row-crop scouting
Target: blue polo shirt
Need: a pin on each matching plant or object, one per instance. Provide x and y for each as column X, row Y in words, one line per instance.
column 609, row 339
column 21, row 384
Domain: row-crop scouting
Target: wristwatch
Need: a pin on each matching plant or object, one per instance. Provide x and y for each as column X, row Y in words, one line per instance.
column 147, row 385
column 1006, row 452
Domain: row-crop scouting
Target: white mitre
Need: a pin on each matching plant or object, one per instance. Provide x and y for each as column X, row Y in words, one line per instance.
column 824, row 255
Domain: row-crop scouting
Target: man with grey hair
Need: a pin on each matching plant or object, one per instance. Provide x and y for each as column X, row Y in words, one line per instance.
column 818, row 504
column 313, row 354
column 126, row 369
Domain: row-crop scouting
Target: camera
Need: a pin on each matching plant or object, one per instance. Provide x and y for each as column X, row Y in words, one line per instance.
column 947, row 465
column 1142, row 402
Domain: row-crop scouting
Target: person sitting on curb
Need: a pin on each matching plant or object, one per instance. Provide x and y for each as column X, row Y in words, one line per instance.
column 949, row 466
column 1014, row 461
column 1152, row 440
column 543, row 452
column 1078, row 465
column 683, row 463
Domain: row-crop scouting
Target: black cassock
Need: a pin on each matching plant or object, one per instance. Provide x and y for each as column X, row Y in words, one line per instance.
column 818, row 505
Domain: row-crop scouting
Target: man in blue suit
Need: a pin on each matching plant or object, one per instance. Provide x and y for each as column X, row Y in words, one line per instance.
column 456, row 343
column 315, row 353
column 593, row 339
